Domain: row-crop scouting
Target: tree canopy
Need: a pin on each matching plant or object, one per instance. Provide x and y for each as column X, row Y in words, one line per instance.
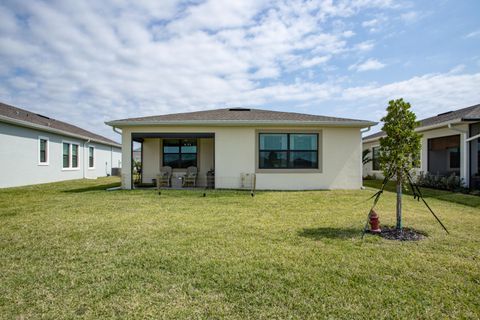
column 400, row 148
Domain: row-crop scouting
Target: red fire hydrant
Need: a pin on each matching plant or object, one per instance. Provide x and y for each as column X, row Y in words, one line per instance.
column 374, row 222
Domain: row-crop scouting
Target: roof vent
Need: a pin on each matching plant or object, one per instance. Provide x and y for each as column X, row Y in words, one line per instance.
column 442, row 114
column 239, row 109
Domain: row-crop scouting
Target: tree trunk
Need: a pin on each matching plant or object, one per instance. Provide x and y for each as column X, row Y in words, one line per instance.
column 399, row 202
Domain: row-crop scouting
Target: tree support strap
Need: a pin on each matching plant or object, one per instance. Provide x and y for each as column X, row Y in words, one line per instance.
column 417, row 194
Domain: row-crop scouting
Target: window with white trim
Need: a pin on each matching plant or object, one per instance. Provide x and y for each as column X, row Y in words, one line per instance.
column 43, row 148
column 91, row 157
column 70, row 155
column 376, row 158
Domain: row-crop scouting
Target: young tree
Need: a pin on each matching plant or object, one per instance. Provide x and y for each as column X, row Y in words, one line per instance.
column 400, row 148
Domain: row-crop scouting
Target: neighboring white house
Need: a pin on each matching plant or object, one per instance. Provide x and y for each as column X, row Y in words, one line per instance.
column 285, row 151
column 450, row 145
column 37, row 149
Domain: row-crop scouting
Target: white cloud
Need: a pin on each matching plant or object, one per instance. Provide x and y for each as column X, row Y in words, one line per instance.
column 429, row 94
column 315, row 61
column 472, row 34
column 370, row 23
column 365, row 46
column 87, row 62
column 378, row 23
column 457, row 69
column 368, row 65
column 410, row 17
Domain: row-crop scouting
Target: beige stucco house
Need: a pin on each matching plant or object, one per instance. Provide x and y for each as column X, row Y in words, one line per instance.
column 450, row 145
column 283, row 150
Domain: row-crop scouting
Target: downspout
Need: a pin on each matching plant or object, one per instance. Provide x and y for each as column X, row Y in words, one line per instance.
column 111, row 160
column 473, row 138
column 85, row 161
column 115, row 129
column 466, row 157
column 362, row 131
column 365, row 129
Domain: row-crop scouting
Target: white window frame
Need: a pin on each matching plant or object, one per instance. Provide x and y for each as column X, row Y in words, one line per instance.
column 70, row 156
column 88, row 157
column 47, row 151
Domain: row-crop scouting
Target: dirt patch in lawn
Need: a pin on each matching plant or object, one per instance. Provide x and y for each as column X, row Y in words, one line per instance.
column 406, row 234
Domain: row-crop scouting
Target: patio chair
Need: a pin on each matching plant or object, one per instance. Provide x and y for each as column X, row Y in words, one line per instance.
column 164, row 178
column 190, row 178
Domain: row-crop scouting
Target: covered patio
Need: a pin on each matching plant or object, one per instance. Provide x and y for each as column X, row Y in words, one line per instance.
column 178, row 151
column 444, row 155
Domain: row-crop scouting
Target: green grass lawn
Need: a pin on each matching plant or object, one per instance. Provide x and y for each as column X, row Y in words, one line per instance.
column 73, row 250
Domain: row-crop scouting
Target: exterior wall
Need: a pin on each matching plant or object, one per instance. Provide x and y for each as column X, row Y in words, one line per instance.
column 19, row 158
column 151, row 160
column 436, row 133
column 235, row 154
column 105, row 158
column 206, row 159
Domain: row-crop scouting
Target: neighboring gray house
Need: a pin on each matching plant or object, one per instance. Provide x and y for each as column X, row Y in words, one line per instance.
column 450, row 145
column 37, row 149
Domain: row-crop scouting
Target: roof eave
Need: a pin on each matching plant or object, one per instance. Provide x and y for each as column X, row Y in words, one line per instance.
column 470, row 119
column 354, row 124
column 421, row 129
column 53, row 130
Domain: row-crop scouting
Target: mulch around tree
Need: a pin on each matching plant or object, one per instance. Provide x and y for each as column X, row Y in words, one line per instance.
column 406, row 234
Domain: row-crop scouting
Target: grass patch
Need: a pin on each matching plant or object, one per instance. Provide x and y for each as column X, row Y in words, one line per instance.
column 73, row 250
column 456, row 197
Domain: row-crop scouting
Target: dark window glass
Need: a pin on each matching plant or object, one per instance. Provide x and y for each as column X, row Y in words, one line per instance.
column 43, row 150
column 454, row 154
column 74, row 156
column 172, row 160
column 66, row 155
column 273, row 159
column 189, row 160
column 288, row 151
column 91, row 159
column 376, row 158
column 180, row 153
column 302, row 159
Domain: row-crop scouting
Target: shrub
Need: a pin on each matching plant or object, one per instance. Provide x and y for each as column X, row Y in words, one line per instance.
column 451, row 182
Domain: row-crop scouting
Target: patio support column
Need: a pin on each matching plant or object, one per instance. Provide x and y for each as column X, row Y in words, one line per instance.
column 464, row 154
column 464, row 159
column 126, row 159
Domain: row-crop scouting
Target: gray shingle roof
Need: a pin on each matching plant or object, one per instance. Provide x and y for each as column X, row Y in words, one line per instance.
column 232, row 115
column 471, row 113
column 18, row 114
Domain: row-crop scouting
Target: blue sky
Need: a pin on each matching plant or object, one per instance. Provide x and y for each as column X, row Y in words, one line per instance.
column 87, row 62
